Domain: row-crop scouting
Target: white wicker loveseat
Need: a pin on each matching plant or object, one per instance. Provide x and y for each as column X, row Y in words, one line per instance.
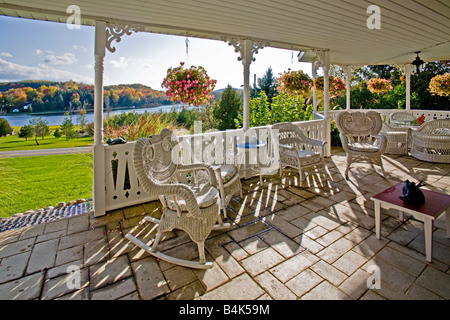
column 431, row 141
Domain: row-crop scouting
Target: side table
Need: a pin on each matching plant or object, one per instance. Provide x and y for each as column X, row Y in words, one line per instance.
column 247, row 146
column 434, row 206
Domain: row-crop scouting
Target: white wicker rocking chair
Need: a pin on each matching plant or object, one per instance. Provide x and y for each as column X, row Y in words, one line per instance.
column 194, row 209
column 359, row 133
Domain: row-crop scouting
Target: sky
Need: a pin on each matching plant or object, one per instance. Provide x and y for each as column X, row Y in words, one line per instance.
column 41, row 50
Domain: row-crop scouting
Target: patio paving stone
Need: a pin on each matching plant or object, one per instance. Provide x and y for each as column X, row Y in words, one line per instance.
column 274, row 287
column 43, row 256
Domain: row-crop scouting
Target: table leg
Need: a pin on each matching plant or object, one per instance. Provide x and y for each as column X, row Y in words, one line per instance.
column 428, row 226
column 377, row 206
column 401, row 216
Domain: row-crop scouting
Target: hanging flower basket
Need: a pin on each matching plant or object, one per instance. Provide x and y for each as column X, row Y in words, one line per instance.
column 294, row 82
column 336, row 85
column 377, row 85
column 192, row 86
column 440, row 85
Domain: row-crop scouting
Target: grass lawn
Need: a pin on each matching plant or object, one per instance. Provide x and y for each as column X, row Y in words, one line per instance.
column 37, row 182
column 13, row 143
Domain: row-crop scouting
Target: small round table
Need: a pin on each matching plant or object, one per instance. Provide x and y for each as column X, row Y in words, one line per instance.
column 247, row 146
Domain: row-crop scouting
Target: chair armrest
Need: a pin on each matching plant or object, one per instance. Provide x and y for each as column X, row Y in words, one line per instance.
column 315, row 142
column 285, row 146
column 183, row 192
column 383, row 141
column 344, row 141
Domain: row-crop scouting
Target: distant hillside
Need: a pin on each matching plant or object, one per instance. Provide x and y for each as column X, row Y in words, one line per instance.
column 54, row 96
column 5, row 86
column 218, row 93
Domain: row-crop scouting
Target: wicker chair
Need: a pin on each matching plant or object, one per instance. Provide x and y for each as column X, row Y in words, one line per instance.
column 192, row 208
column 359, row 133
column 298, row 151
column 227, row 175
column 398, row 139
column 401, row 118
column 431, row 141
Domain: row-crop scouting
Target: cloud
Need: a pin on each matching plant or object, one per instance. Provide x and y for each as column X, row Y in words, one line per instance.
column 15, row 72
column 5, row 54
column 66, row 58
column 38, row 51
column 121, row 64
column 81, row 48
column 147, row 66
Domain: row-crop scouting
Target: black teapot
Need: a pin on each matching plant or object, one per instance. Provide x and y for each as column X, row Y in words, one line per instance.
column 411, row 192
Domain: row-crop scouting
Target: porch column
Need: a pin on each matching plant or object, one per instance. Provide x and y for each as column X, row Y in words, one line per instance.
column 99, row 149
column 348, row 74
column 246, row 61
column 323, row 60
column 314, row 68
column 408, row 71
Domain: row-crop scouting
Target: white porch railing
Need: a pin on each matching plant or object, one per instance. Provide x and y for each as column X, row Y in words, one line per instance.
column 429, row 114
column 122, row 187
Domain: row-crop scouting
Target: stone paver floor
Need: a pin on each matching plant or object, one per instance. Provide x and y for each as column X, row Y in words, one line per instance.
column 286, row 242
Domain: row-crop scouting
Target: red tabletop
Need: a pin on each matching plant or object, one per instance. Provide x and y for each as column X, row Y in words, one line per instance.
column 434, row 204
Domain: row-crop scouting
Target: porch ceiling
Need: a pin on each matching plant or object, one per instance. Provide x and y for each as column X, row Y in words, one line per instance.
column 406, row 25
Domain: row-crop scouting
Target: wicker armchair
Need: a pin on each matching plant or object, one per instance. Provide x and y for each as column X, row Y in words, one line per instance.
column 398, row 139
column 298, row 151
column 431, row 141
column 227, row 175
column 401, row 118
column 359, row 133
column 192, row 208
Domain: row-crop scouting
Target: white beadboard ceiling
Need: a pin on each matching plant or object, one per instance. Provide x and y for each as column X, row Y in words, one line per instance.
column 338, row 25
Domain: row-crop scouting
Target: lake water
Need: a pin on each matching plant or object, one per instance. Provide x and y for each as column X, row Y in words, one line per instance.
column 20, row 119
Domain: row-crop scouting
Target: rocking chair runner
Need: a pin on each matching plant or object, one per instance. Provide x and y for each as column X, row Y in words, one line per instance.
column 194, row 209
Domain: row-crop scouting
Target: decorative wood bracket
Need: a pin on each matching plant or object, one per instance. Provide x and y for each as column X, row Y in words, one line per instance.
column 349, row 69
column 115, row 32
column 322, row 58
column 240, row 46
column 406, row 68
